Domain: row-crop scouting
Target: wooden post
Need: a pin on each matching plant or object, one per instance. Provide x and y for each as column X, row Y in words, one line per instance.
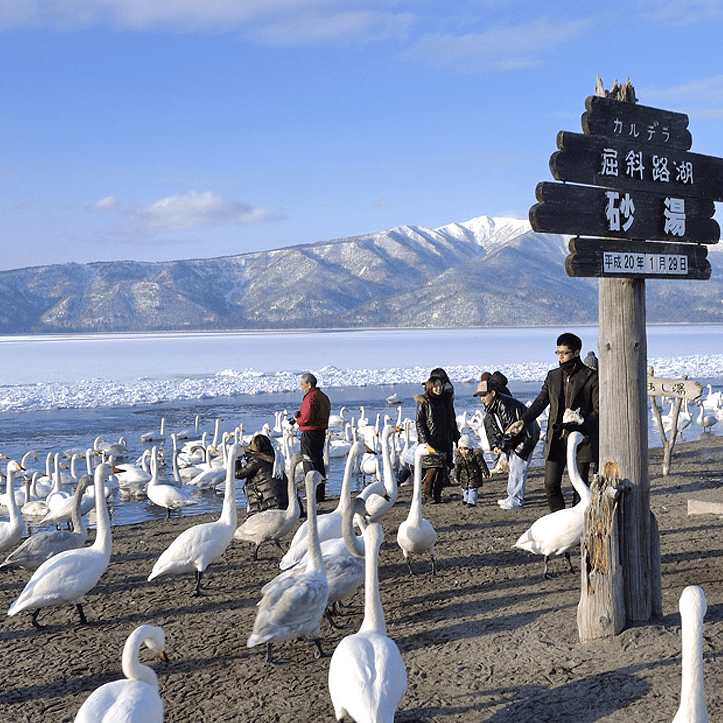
column 622, row 347
column 601, row 611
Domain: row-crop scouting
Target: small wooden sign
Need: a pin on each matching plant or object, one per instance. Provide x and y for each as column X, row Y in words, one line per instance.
column 632, row 166
column 635, row 122
column 636, row 259
column 680, row 388
column 621, row 214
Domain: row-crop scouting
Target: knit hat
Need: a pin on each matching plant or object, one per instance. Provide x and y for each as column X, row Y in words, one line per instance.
column 464, row 441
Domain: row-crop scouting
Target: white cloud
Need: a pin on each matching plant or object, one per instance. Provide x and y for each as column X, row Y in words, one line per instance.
column 193, row 210
column 497, row 48
column 277, row 21
column 109, row 203
column 324, row 26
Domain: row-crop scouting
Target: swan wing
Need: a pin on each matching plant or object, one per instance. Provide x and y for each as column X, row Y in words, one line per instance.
column 291, row 608
column 66, row 577
column 367, row 678
column 131, row 701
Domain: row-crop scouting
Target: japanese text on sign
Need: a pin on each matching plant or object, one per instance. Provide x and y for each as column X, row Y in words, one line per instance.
column 633, row 165
column 652, row 132
column 620, row 213
column 624, row 262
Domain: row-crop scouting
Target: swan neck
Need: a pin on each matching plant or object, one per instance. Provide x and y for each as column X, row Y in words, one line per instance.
column 390, row 481
column 374, row 619
column 228, row 513
column 292, row 508
column 102, row 534
column 12, row 505
column 316, row 563
column 133, row 669
column 692, row 693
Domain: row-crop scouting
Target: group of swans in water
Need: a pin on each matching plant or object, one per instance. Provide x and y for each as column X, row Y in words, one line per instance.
column 326, row 562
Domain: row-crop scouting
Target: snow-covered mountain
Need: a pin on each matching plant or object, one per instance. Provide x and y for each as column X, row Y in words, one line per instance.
column 484, row 272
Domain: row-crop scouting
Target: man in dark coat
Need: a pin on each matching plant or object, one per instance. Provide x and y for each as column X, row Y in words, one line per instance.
column 571, row 392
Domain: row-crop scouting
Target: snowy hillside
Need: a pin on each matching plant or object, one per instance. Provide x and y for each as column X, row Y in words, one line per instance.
column 483, row 272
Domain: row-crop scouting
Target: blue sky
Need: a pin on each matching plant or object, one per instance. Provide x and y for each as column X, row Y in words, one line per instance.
column 179, row 129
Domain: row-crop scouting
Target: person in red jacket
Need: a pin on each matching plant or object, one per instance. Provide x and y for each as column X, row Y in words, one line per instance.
column 313, row 421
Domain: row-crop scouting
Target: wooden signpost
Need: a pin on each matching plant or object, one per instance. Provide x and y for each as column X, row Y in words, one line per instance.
column 630, row 183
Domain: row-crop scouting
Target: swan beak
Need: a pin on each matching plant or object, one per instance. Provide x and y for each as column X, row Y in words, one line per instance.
column 164, row 657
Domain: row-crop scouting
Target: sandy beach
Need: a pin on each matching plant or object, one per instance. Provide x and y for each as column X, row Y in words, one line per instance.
column 485, row 640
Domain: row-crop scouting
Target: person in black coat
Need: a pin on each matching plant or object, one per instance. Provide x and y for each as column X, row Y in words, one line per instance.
column 263, row 491
column 436, row 427
column 502, row 411
column 571, row 392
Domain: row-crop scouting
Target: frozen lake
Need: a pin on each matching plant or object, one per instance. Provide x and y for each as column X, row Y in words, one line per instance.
column 60, row 392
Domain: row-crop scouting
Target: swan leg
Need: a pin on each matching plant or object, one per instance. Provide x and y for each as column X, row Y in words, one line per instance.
column 545, row 574
column 256, row 553
column 569, row 562
column 79, row 608
column 329, row 615
column 269, row 656
column 319, row 653
column 34, row 619
column 434, row 566
column 197, row 592
column 409, row 566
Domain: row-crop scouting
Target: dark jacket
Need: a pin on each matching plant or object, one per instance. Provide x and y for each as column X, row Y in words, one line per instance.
column 437, row 423
column 470, row 468
column 501, row 413
column 263, row 491
column 573, row 387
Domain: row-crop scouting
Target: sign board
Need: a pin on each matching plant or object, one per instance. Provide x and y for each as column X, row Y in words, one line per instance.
column 632, row 121
column 631, row 166
column 636, row 259
column 595, row 211
column 682, row 388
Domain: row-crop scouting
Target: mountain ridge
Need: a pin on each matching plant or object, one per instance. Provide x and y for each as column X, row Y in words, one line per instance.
column 487, row 271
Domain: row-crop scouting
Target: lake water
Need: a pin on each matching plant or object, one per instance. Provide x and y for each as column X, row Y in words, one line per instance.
column 59, row 392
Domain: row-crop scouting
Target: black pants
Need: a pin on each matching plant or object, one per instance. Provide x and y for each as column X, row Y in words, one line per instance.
column 312, row 446
column 554, row 467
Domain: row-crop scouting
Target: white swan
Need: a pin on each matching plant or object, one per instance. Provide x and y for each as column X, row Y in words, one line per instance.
column 293, row 603
column 57, row 494
column 44, row 544
column 198, row 546
column 416, row 535
column 712, row 402
column 129, row 474
column 155, row 436
column 68, row 576
column 343, row 558
column 367, row 677
column 705, row 419
column 64, row 507
column 11, row 532
column 166, row 495
column 328, row 525
column 380, row 497
column 692, row 606
column 272, row 525
column 116, row 449
column 558, row 532
column 135, row 698
column 189, row 433
column 34, row 506
column 337, row 420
